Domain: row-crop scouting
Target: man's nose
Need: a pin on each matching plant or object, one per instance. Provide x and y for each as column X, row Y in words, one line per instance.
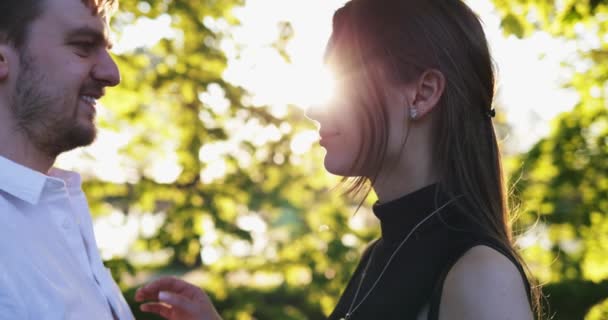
column 106, row 71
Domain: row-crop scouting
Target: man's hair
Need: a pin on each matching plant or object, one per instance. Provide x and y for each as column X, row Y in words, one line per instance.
column 17, row 15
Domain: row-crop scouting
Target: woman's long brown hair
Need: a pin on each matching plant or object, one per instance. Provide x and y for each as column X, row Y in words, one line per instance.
column 396, row 40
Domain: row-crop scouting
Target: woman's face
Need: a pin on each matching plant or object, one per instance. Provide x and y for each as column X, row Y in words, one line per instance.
column 340, row 128
column 345, row 125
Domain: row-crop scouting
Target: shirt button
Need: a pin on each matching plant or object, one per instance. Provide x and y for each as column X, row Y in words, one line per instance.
column 66, row 224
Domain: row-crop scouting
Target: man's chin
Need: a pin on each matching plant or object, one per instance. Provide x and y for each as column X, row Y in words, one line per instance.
column 79, row 136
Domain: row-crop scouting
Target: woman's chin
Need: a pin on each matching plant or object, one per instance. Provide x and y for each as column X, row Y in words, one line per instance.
column 339, row 168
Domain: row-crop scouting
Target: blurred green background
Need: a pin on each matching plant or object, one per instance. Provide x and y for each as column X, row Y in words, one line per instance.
column 206, row 167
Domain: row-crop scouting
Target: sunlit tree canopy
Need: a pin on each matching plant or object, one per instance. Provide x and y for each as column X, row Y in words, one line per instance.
column 198, row 176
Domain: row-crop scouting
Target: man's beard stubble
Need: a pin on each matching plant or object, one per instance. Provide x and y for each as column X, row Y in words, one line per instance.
column 50, row 131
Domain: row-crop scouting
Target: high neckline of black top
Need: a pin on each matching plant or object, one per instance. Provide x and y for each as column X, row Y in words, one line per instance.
column 398, row 217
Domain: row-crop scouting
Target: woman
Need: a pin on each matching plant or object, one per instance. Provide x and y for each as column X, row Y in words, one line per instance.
column 413, row 116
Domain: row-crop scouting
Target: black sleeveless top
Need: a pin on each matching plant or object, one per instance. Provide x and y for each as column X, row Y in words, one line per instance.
column 415, row 276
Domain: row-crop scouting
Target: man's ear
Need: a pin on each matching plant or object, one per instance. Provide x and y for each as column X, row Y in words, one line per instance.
column 5, row 59
column 429, row 89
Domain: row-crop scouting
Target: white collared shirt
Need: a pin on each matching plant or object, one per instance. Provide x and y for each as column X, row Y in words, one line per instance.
column 50, row 267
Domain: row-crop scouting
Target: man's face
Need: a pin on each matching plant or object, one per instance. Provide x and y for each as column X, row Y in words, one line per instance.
column 64, row 68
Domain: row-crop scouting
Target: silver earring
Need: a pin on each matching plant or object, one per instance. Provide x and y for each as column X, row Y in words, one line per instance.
column 413, row 113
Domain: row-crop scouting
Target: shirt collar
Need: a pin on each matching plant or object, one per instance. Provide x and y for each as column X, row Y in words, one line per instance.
column 28, row 185
column 72, row 180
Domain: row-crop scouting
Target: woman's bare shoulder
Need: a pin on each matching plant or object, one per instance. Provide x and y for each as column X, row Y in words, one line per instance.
column 484, row 284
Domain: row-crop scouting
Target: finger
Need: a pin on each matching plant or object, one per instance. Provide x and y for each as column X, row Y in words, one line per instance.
column 177, row 301
column 150, row 291
column 140, row 295
column 144, row 293
column 192, row 292
column 159, row 308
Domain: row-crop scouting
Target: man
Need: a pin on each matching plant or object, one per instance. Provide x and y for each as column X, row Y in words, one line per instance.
column 54, row 65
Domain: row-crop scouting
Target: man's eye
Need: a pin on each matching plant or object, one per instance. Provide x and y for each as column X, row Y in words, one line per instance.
column 84, row 46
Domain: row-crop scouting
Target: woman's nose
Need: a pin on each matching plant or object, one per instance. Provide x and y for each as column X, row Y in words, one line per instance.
column 315, row 112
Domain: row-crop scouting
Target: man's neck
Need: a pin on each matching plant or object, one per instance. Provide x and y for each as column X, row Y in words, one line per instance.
column 15, row 146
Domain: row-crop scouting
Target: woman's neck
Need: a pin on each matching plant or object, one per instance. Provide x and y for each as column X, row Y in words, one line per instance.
column 396, row 184
column 411, row 172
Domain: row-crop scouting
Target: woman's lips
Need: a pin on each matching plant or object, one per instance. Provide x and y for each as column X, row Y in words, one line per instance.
column 326, row 135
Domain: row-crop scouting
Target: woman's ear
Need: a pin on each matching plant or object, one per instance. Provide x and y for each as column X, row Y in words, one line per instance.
column 429, row 89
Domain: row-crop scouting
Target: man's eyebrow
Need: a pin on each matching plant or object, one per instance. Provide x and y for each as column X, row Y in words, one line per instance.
column 96, row 35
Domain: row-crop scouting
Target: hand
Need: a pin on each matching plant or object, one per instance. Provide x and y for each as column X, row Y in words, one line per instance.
column 175, row 299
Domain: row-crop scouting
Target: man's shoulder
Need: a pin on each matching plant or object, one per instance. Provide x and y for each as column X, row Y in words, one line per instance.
column 7, row 207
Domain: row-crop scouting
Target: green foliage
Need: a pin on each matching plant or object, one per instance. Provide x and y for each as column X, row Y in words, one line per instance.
column 521, row 17
column 564, row 184
column 295, row 264
column 572, row 299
